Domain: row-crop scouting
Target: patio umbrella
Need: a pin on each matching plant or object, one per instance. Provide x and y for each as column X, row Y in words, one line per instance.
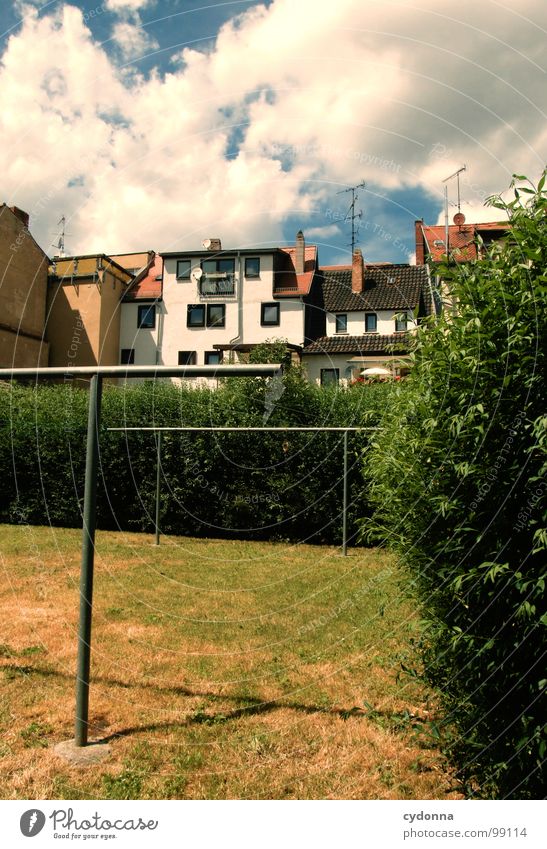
column 376, row 370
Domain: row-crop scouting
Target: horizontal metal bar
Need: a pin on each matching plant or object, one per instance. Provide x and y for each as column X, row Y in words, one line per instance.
column 236, row 429
column 239, row 370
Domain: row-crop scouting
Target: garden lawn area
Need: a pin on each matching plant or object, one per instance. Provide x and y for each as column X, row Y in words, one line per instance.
column 220, row 669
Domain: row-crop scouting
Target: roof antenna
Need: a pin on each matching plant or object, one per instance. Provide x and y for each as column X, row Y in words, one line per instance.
column 60, row 244
column 445, row 181
column 351, row 215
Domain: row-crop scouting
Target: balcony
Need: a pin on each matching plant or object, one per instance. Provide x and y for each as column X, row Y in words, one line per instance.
column 217, row 284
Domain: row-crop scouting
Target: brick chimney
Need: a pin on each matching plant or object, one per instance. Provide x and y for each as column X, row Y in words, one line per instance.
column 420, row 252
column 22, row 216
column 357, row 272
column 300, row 258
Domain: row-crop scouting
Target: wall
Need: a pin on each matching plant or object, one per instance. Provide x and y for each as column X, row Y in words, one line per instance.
column 356, row 322
column 313, row 363
column 83, row 325
column 143, row 341
column 177, row 295
column 23, row 292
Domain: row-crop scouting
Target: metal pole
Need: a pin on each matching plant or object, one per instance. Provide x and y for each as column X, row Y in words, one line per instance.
column 345, row 504
column 158, row 482
column 88, row 552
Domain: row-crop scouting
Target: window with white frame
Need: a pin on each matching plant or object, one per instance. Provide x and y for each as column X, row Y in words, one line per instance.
column 341, row 322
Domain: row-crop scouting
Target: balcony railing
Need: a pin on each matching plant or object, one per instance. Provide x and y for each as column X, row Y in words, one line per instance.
column 221, row 284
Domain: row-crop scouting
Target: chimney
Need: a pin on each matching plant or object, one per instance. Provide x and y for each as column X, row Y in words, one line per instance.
column 420, row 251
column 22, row 216
column 357, row 272
column 212, row 245
column 300, row 257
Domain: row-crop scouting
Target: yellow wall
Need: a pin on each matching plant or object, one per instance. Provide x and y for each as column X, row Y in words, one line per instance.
column 83, row 325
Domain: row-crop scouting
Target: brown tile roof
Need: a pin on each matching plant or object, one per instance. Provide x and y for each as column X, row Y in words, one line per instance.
column 369, row 343
column 145, row 286
column 386, row 287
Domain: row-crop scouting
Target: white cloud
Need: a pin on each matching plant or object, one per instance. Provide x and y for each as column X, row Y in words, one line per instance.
column 126, row 5
column 132, row 40
column 325, row 95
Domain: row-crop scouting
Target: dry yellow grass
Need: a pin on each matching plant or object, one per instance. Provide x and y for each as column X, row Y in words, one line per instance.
column 220, row 669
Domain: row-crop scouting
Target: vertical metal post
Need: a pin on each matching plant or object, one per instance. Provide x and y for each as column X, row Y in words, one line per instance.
column 88, row 552
column 345, row 502
column 158, row 482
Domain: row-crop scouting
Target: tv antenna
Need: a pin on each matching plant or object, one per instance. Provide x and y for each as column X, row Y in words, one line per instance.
column 445, row 181
column 351, row 215
column 60, row 244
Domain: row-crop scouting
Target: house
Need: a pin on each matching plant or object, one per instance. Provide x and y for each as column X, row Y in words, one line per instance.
column 23, row 292
column 142, row 314
column 217, row 304
column 369, row 312
column 83, row 312
column 462, row 239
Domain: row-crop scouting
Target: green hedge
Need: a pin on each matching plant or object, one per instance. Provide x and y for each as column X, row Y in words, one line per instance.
column 255, row 485
column 457, row 478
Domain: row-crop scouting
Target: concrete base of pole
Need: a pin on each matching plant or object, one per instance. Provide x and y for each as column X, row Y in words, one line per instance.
column 88, row 755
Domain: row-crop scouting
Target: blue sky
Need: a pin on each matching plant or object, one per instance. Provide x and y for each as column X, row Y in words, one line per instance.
column 156, row 123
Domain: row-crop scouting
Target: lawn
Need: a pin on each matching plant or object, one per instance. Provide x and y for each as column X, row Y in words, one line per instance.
column 220, row 669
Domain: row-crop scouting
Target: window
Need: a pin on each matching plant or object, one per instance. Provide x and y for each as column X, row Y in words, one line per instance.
column 218, row 276
column 196, row 315
column 329, row 376
column 183, row 269
column 187, row 358
column 216, row 315
column 269, row 315
column 371, row 322
column 342, row 323
column 212, row 358
column 401, row 322
column 128, row 357
column 252, row 266
column 147, row 316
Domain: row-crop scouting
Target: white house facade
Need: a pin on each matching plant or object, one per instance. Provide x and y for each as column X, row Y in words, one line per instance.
column 370, row 310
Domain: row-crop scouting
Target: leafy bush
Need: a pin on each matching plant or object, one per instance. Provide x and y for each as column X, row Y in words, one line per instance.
column 253, row 485
column 457, row 480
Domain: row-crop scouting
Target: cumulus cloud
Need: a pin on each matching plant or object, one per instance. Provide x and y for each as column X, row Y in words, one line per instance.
column 132, row 40
column 293, row 102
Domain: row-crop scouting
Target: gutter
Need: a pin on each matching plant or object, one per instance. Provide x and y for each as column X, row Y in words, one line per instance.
column 239, row 337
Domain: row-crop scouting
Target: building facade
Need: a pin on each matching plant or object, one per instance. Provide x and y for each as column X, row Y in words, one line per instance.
column 23, row 293
column 369, row 313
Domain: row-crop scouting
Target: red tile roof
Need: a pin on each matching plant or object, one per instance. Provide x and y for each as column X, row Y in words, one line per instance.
column 287, row 282
column 146, row 286
column 461, row 239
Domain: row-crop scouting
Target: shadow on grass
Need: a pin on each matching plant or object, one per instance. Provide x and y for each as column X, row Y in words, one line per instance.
column 247, row 706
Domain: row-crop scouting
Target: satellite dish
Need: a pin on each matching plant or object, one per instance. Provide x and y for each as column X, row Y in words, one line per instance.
column 459, row 219
column 206, row 244
column 197, row 273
